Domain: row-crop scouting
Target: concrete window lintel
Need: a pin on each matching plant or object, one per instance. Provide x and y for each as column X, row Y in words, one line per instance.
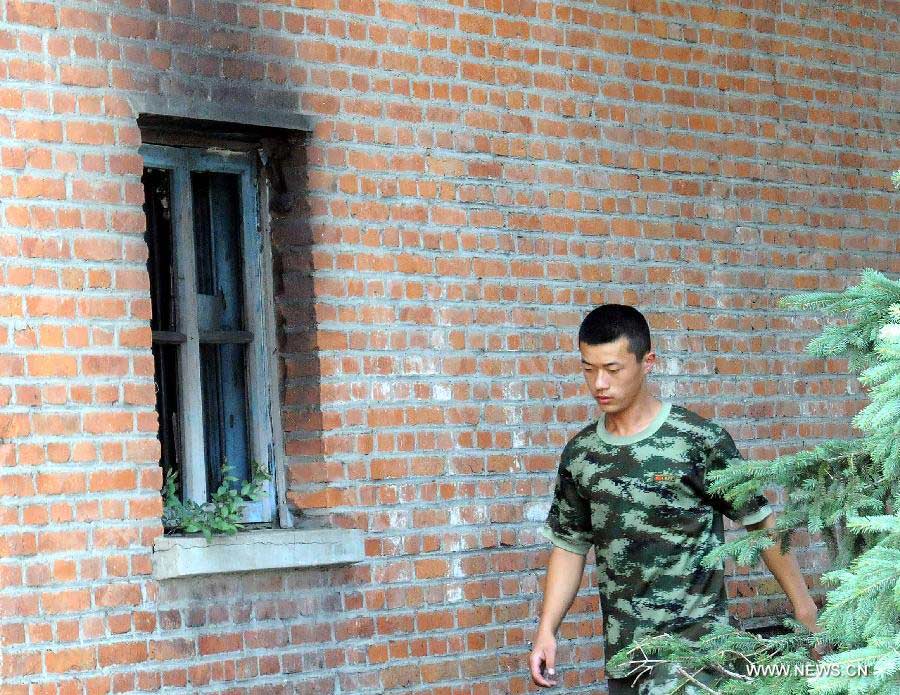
column 185, row 556
column 179, row 107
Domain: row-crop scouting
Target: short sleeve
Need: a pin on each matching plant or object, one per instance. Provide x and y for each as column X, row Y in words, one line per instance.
column 723, row 453
column 568, row 524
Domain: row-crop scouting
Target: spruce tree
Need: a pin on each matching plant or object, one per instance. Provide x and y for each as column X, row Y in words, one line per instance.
column 847, row 491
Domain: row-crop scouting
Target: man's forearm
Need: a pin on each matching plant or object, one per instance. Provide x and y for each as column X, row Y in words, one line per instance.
column 564, row 573
column 786, row 570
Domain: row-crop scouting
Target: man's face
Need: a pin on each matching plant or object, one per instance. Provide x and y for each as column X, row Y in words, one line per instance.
column 613, row 374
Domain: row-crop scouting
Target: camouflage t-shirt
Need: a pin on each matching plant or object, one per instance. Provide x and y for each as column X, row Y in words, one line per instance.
column 642, row 501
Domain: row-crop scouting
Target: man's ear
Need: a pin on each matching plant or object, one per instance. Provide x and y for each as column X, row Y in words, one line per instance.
column 649, row 361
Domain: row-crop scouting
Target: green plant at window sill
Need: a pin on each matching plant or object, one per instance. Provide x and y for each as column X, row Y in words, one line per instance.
column 221, row 515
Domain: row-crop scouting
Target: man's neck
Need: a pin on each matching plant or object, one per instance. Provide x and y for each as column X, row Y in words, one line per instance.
column 635, row 417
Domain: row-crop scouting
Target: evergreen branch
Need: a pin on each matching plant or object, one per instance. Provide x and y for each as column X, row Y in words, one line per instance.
column 745, row 550
column 886, row 523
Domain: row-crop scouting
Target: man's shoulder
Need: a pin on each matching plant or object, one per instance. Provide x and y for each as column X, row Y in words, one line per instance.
column 581, row 441
column 694, row 425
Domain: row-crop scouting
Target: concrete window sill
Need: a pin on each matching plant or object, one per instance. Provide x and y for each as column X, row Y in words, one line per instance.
column 186, row 556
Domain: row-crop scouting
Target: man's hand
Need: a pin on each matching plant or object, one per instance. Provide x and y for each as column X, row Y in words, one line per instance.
column 807, row 615
column 564, row 572
column 542, row 660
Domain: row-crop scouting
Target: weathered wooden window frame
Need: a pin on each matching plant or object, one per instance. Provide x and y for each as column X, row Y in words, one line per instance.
column 258, row 310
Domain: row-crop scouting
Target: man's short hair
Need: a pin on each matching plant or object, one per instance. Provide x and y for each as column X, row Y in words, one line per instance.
column 609, row 322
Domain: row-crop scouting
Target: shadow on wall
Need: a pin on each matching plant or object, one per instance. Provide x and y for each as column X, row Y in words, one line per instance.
column 293, row 241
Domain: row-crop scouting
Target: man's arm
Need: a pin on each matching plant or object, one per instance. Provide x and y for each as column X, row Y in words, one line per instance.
column 786, row 571
column 564, row 573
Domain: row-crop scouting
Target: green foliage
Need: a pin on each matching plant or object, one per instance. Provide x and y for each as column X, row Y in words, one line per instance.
column 845, row 490
column 862, row 615
column 869, row 307
column 222, row 514
column 727, row 654
column 825, row 486
column 743, row 550
column 840, row 479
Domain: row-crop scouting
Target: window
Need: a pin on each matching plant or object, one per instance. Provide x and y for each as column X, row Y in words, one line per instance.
column 210, row 322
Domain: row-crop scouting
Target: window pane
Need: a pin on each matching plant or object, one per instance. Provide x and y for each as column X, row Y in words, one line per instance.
column 165, row 360
column 225, row 422
column 158, row 209
column 160, row 262
column 217, row 244
column 218, row 255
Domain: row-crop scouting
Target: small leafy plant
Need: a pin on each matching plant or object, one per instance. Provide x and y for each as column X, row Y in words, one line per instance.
column 222, row 514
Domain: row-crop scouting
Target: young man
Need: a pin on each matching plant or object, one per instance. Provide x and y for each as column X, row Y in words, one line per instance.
column 633, row 486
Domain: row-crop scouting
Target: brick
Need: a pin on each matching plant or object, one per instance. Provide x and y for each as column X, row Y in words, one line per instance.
column 11, row 305
column 118, row 595
column 90, row 134
column 122, row 653
column 40, row 187
column 133, row 28
column 66, row 601
column 48, row 305
column 97, row 248
column 105, row 481
column 51, row 365
column 101, row 308
column 217, row 644
column 45, row 131
column 32, row 13
column 58, row 541
column 105, row 365
column 20, row 664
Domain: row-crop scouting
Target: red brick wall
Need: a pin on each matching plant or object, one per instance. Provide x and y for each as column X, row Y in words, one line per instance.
column 478, row 178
